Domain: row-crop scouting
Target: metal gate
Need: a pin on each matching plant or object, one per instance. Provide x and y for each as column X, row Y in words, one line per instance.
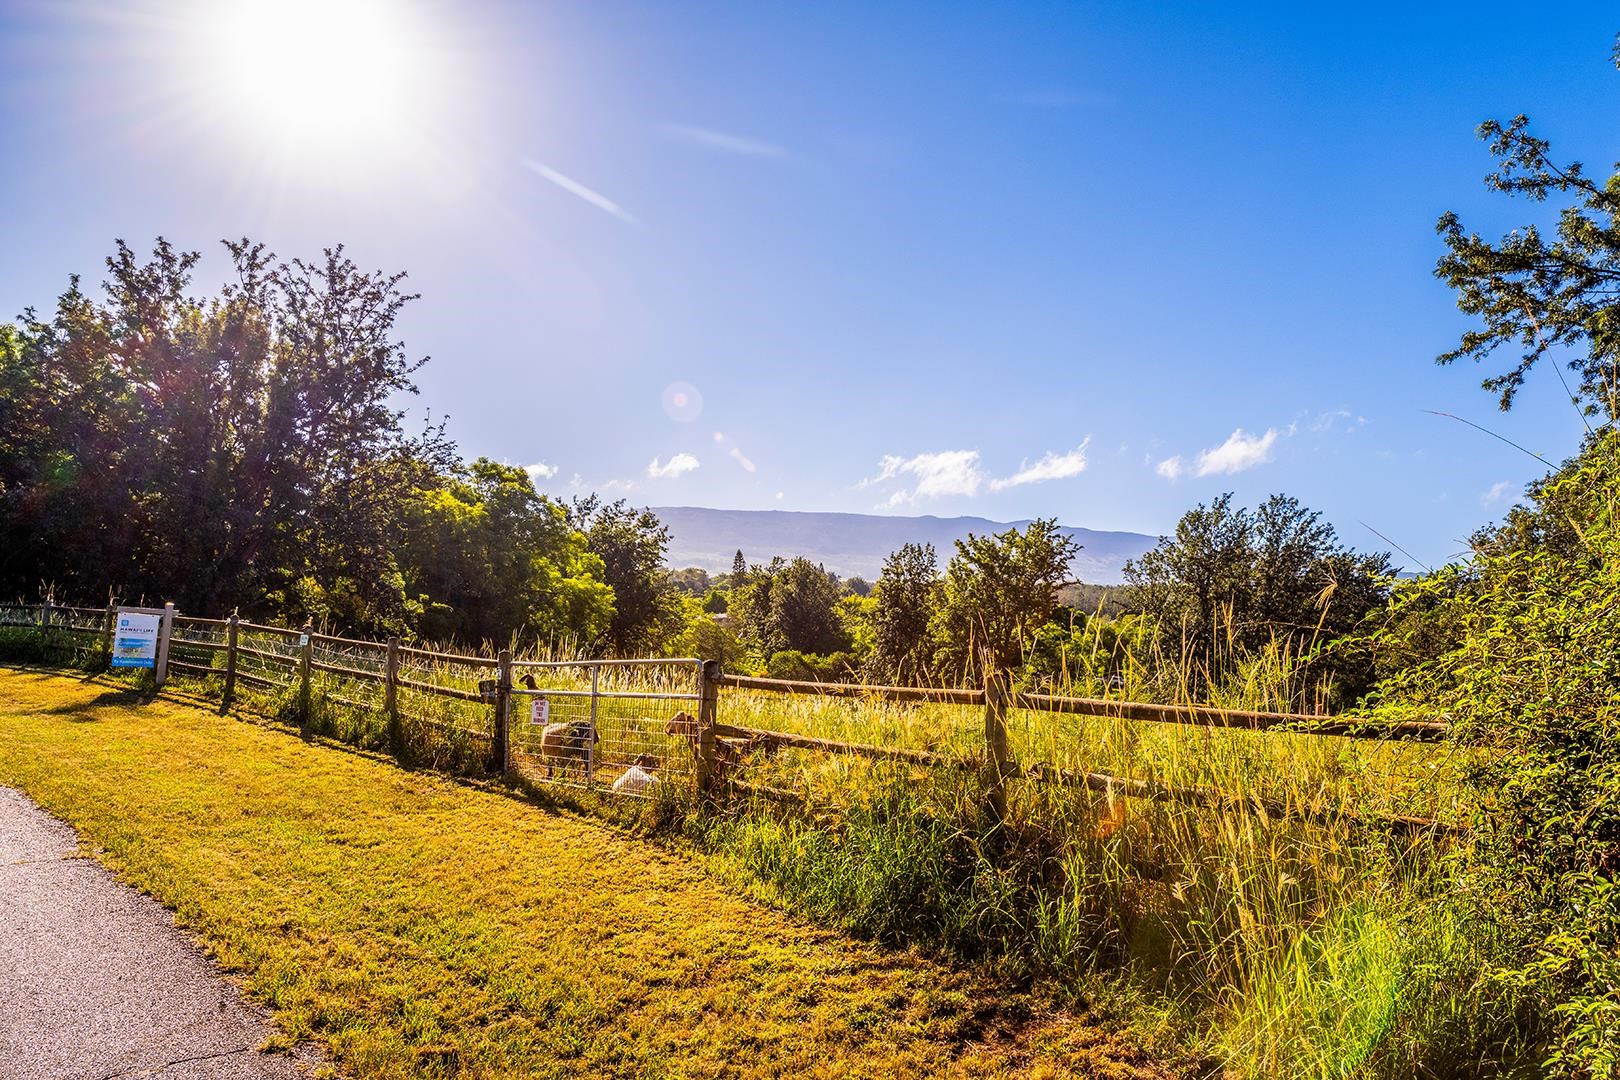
column 625, row 726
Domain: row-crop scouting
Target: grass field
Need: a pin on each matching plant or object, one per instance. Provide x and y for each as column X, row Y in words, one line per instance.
column 420, row 926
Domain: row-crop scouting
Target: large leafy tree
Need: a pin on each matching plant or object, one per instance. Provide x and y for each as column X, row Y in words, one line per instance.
column 997, row 592
column 631, row 544
column 789, row 605
column 486, row 558
column 1231, row 582
column 804, row 609
column 1542, row 295
column 906, row 599
column 239, row 450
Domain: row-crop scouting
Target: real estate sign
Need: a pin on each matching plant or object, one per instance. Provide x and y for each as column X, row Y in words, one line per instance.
column 135, row 640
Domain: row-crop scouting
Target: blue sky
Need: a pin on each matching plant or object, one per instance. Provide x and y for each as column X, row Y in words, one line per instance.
column 1091, row 261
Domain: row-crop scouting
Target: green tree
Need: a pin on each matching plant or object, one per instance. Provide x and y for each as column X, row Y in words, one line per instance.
column 487, row 559
column 242, row 450
column 906, row 600
column 997, row 591
column 691, row 581
column 804, row 609
column 1541, row 295
column 1231, row 582
column 631, row 544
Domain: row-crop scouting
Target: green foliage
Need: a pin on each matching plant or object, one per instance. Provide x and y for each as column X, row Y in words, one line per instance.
column 707, row 639
column 793, row 664
column 906, row 603
column 240, row 450
column 1084, row 655
column 996, row 593
column 1533, row 677
column 1536, row 294
column 789, row 606
column 692, row 581
column 630, row 544
column 489, row 559
column 1231, row 583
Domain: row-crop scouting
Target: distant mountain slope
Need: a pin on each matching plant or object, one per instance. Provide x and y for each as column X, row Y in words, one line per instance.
column 853, row 545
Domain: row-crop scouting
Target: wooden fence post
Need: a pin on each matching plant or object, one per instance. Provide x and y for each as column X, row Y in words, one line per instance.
column 997, row 756
column 112, row 631
column 230, row 661
column 502, row 762
column 45, row 630
column 160, row 670
column 306, row 657
column 708, row 773
column 391, row 696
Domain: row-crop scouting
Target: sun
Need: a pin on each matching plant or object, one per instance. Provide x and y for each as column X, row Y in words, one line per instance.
column 317, row 74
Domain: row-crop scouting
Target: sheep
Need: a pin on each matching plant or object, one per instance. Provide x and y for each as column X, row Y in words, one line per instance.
column 638, row 777
column 566, row 742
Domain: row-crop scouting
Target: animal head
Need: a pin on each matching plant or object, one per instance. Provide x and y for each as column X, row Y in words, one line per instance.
column 582, row 730
column 646, row 762
column 682, row 723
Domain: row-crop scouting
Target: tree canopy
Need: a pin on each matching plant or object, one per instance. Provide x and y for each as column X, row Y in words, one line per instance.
column 1540, row 294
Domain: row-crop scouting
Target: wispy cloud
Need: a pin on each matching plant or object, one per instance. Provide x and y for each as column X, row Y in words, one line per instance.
column 1337, row 419
column 1239, row 452
column 947, row 472
column 540, row 471
column 1496, row 493
column 675, row 466
column 720, row 140
column 574, row 187
column 741, row 459
column 1053, row 466
column 1171, row 468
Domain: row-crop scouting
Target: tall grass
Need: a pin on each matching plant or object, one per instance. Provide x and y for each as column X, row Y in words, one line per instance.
column 1302, row 943
column 1312, row 942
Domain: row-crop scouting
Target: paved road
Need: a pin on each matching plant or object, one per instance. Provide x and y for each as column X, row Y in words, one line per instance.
column 97, row 982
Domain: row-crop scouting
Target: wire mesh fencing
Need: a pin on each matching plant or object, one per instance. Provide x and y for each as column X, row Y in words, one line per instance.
column 624, row 726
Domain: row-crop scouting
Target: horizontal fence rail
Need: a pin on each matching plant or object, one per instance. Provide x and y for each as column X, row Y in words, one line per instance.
column 667, row 709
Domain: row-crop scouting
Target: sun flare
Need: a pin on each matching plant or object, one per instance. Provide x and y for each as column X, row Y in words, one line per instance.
column 317, row 74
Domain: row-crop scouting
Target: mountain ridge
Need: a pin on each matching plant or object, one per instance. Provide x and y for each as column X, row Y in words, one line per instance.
column 855, row 545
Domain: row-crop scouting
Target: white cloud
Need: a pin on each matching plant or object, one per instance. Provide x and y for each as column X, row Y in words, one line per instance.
column 540, row 471
column 779, row 494
column 1340, row 418
column 947, row 472
column 675, row 466
column 574, row 187
column 742, row 459
column 1239, row 452
column 720, row 140
column 1171, row 468
column 1051, row 467
column 1497, row 492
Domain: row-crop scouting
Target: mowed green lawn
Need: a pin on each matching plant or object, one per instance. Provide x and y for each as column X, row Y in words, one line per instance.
column 417, row 926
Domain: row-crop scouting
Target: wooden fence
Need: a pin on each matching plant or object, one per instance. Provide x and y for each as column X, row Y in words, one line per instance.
column 286, row 659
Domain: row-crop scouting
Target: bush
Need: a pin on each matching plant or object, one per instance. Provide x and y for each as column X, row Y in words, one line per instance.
column 1535, row 680
column 793, row 664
